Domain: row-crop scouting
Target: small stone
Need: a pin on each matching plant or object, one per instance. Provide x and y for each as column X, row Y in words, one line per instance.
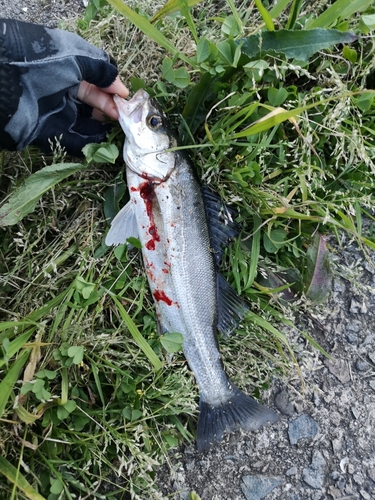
column 355, row 306
column 258, row 487
column 356, row 412
column 335, row 418
column 283, row 403
column 372, row 384
column 302, row 427
column 338, row 368
column 351, row 469
column 361, row 366
column 365, row 495
column 341, row 483
column 352, row 338
column 371, row 474
column 291, row 472
column 336, row 446
column 371, row 355
column 354, row 326
column 358, row 478
column 314, row 475
column 370, row 339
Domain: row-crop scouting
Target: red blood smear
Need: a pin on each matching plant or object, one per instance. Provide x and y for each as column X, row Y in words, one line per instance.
column 160, row 295
column 147, row 193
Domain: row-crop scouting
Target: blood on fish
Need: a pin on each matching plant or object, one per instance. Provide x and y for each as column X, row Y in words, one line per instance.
column 160, row 295
column 147, row 193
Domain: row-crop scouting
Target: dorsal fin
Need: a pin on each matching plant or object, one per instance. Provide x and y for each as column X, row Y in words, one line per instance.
column 221, row 223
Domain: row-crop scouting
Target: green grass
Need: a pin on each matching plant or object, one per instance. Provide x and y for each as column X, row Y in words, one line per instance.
column 90, row 401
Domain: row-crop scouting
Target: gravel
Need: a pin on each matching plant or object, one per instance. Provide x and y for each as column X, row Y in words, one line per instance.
column 323, row 446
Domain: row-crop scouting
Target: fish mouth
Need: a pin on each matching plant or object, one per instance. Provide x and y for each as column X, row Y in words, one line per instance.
column 133, row 105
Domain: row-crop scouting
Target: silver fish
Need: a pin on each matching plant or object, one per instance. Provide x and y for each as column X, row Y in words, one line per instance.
column 182, row 244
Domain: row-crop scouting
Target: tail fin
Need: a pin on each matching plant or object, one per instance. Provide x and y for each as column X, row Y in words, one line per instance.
column 239, row 412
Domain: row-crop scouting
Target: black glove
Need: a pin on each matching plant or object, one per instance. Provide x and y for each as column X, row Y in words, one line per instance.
column 40, row 71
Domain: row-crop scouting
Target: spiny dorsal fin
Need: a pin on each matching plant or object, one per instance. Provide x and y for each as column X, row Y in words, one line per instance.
column 221, row 223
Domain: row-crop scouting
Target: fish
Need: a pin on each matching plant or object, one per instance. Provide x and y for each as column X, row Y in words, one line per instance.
column 183, row 229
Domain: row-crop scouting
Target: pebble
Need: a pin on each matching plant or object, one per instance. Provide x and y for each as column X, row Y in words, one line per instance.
column 314, row 475
column 302, row 427
column 361, row 365
column 352, row 338
column 338, row 368
column 291, row 472
column 258, row 487
column 283, row 403
column 371, row 355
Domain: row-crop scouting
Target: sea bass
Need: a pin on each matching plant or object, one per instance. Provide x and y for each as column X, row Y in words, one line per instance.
column 183, row 230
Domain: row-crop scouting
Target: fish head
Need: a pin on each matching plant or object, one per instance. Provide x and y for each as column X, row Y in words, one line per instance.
column 148, row 137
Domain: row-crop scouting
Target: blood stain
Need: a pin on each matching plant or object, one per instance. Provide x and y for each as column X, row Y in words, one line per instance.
column 160, row 295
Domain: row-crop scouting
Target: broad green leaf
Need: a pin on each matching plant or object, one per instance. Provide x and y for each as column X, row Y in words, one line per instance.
column 277, row 96
column 9, row 381
column 367, row 23
column 15, row 477
column 24, row 199
column 341, row 9
column 49, row 374
column 172, row 342
column 299, row 45
column 318, row 277
column 70, row 406
column 171, row 7
column 230, row 27
column 56, row 487
column 274, row 240
column 136, row 415
column 349, row 54
column 179, row 77
column 106, row 154
column 203, row 50
column 76, row 352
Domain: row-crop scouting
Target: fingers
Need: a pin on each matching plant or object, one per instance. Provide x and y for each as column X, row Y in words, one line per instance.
column 101, row 99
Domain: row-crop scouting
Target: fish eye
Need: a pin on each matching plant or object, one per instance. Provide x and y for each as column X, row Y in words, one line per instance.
column 154, row 121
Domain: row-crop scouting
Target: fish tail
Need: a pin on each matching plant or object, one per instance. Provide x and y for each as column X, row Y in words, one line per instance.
column 238, row 412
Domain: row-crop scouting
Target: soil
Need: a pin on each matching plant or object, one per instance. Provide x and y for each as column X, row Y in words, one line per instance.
column 323, row 446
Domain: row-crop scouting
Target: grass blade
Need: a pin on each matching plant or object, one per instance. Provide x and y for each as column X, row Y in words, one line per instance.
column 148, row 29
column 342, row 9
column 137, row 336
column 265, row 15
column 171, row 7
column 24, row 199
column 15, row 477
column 10, row 379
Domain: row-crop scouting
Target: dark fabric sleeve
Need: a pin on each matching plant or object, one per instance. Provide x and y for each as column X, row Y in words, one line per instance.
column 40, row 71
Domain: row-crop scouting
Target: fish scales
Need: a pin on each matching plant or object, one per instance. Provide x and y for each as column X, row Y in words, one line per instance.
column 167, row 213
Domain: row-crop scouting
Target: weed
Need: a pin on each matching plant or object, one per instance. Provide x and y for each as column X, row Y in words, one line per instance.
column 90, row 399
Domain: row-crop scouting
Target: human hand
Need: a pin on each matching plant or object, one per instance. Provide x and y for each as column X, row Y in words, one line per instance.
column 53, row 83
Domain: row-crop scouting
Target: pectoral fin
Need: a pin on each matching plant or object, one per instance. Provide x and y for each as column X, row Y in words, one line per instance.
column 123, row 226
